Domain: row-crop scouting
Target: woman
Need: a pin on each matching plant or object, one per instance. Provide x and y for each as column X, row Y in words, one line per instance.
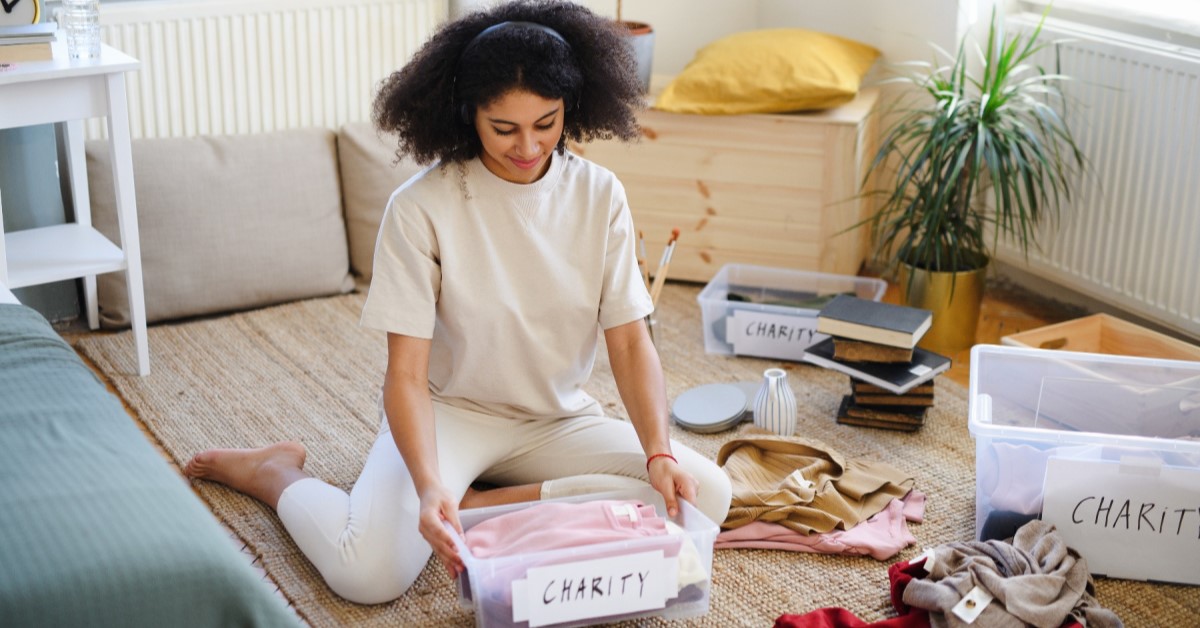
column 494, row 269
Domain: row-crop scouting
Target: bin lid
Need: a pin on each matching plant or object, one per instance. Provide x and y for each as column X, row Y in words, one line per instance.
column 711, row 407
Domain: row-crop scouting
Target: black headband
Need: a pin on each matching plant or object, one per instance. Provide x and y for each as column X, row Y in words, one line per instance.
column 503, row 25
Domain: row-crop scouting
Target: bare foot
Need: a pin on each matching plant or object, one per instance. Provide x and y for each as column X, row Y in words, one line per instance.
column 261, row 473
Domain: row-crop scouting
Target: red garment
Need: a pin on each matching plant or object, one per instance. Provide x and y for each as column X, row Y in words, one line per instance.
column 899, row 575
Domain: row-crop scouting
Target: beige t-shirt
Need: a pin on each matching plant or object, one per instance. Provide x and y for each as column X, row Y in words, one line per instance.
column 512, row 282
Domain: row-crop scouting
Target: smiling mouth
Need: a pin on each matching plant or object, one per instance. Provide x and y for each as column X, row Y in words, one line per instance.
column 526, row 164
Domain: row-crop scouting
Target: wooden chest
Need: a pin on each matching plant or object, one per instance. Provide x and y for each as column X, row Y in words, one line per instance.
column 1103, row 333
column 766, row 189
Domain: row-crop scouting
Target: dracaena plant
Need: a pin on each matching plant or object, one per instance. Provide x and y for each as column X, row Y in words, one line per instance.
column 982, row 154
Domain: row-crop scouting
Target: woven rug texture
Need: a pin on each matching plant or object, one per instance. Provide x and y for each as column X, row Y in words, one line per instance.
column 306, row 371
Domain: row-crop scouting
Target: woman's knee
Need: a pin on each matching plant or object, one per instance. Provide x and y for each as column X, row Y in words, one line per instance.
column 375, row 578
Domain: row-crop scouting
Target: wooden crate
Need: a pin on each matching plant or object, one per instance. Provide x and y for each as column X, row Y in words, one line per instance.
column 1101, row 333
column 766, row 189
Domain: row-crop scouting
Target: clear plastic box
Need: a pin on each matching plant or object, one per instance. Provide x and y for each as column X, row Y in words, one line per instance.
column 1117, row 428
column 499, row 589
column 772, row 312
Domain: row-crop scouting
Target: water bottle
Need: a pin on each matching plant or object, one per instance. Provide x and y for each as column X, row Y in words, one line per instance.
column 80, row 21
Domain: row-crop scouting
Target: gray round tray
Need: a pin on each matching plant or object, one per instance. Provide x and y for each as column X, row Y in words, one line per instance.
column 710, row 408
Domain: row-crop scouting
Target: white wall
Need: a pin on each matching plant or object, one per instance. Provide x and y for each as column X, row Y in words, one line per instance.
column 900, row 29
column 681, row 27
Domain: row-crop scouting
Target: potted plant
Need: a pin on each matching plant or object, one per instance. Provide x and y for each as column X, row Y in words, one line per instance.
column 982, row 155
column 641, row 39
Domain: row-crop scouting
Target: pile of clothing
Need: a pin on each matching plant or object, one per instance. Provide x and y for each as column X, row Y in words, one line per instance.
column 1034, row 579
column 797, row 494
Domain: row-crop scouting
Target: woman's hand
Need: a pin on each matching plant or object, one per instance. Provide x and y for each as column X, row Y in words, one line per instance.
column 672, row 482
column 438, row 506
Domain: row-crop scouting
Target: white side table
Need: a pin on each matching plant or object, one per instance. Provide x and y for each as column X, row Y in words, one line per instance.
column 6, row 296
column 70, row 91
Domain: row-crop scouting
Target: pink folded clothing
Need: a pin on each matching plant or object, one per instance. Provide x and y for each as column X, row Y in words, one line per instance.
column 880, row 537
column 558, row 525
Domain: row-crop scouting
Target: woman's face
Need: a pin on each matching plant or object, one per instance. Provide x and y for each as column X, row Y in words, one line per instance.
column 518, row 132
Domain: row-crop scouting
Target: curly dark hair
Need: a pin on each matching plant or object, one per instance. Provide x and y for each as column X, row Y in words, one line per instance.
column 430, row 101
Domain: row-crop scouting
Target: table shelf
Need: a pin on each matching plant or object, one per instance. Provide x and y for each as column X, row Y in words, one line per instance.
column 46, row 254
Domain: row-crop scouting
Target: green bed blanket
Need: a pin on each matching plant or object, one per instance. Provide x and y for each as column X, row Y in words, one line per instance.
column 96, row 529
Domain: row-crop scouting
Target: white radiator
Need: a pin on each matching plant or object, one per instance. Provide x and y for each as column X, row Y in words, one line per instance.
column 216, row 67
column 1131, row 236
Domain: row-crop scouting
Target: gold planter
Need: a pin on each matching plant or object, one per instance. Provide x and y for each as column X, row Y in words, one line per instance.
column 955, row 315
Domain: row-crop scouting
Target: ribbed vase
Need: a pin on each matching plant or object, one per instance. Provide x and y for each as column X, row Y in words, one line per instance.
column 775, row 404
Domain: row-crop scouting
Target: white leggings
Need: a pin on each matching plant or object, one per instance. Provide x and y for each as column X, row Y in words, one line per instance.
column 365, row 544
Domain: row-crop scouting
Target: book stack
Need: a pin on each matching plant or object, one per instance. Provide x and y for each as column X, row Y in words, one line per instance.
column 868, row 405
column 876, row 345
column 28, row 42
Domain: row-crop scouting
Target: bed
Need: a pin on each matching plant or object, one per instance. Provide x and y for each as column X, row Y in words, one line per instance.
column 96, row 528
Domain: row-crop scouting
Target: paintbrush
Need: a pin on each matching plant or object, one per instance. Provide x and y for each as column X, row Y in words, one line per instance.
column 642, row 264
column 660, row 275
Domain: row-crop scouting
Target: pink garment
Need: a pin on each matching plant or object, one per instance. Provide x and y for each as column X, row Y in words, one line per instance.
column 914, row 506
column 880, row 537
column 557, row 525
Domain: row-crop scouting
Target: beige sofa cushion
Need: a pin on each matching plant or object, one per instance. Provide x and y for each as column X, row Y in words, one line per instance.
column 369, row 177
column 227, row 223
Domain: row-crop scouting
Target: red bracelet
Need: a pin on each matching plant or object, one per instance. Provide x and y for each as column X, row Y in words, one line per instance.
column 651, row 459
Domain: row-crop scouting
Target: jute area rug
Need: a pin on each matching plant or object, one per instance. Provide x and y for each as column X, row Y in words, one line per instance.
column 306, row 371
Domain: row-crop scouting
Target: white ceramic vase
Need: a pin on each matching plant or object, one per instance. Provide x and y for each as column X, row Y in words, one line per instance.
column 775, row 404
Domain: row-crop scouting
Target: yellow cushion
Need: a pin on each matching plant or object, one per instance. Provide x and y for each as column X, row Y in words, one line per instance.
column 769, row 71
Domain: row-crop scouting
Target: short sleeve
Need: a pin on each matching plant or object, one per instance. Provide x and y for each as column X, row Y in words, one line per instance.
column 406, row 275
column 625, row 297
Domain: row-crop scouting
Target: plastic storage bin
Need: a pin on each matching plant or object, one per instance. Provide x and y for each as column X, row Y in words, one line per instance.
column 1105, row 447
column 511, row 590
column 772, row 312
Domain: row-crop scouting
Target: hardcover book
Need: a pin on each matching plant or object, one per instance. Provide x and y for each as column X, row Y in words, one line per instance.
column 883, row 425
column 871, row 389
column 874, row 321
column 888, row 399
column 896, row 378
column 40, row 33
column 15, row 53
column 845, row 418
column 860, row 351
column 896, row 414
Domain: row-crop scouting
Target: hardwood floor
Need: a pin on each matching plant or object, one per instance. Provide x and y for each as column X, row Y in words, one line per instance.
column 1006, row 309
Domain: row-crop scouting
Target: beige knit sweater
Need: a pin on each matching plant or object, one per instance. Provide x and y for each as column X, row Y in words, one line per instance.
column 804, row 484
